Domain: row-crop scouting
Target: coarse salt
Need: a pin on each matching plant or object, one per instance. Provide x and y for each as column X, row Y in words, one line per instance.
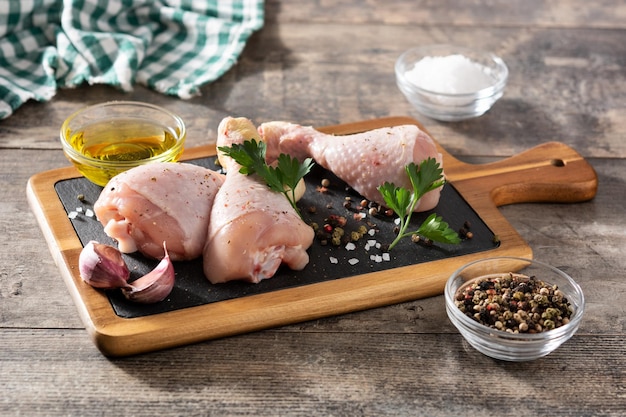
column 353, row 261
column 452, row 74
column 376, row 258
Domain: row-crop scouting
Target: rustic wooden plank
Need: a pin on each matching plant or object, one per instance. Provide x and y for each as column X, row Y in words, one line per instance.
column 477, row 13
column 308, row 374
column 30, row 294
column 323, row 63
column 567, row 85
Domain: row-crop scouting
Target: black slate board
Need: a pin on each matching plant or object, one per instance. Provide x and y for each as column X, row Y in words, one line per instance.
column 193, row 289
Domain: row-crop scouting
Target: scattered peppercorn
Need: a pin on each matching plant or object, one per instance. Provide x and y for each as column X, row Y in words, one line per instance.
column 514, row 303
column 464, row 232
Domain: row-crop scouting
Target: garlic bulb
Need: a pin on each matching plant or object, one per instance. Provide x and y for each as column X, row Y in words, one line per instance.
column 102, row 266
column 155, row 285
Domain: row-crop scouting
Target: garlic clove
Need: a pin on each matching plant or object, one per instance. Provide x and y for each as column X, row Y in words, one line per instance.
column 102, row 266
column 155, row 285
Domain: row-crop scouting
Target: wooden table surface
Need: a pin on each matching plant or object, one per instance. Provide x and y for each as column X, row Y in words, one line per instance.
column 325, row 63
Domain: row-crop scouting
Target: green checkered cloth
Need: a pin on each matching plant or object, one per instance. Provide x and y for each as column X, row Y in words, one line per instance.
column 171, row 46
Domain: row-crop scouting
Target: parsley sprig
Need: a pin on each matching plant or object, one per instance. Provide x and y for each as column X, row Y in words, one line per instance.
column 424, row 177
column 282, row 178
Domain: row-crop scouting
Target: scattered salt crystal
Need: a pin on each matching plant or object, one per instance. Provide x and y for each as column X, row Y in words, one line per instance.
column 333, row 260
column 371, row 232
column 386, row 256
column 79, row 209
column 397, row 221
column 452, row 74
column 89, row 213
column 72, row 215
column 378, row 245
column 353, row 261
column 367, row 247
column 350, row 246
column 371, row 243
column 376, row 258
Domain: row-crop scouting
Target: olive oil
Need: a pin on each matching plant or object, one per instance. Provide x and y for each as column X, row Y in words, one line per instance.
column 116, row 145
column 122, row 140
column 106, row 139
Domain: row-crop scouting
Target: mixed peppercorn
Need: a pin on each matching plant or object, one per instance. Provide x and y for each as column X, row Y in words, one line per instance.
column 514, row 303
column 335, row 229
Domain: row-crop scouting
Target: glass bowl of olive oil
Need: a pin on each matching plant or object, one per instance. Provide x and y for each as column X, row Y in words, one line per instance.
column 108, row 138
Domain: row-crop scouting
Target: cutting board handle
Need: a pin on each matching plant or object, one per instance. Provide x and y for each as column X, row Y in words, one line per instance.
column 551, row 172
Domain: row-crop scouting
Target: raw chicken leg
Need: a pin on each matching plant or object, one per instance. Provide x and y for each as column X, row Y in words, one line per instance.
column 147, row 205
column 363, row 160
column 253, row 229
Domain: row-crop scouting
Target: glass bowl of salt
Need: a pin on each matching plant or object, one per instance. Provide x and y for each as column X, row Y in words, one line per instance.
column 451, row 83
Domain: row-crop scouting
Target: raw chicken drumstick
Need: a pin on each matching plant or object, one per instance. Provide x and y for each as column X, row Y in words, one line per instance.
column 363, row 160
column 162, row 201
column 253, row 229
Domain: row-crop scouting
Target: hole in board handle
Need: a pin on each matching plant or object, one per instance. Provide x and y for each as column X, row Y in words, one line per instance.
column 557, row 162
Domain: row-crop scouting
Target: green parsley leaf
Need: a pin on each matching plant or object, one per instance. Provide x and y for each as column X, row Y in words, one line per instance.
column 397, row 198
column 283, row 178
column 424, row 177
column 435, row 229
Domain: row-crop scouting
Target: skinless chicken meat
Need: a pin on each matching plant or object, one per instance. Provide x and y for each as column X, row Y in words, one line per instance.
column 363, row 160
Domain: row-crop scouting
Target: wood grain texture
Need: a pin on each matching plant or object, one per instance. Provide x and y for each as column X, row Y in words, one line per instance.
column 565, row 85
column 325, row 63
column 284, row 373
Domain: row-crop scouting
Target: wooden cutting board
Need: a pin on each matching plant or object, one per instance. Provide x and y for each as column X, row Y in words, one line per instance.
column 198, row 311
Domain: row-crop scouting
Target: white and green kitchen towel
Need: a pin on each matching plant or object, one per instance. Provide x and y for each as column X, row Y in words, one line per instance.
column 171, row 46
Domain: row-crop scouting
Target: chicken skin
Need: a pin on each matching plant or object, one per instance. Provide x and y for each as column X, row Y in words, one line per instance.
column 159, row 202
column 363, row 160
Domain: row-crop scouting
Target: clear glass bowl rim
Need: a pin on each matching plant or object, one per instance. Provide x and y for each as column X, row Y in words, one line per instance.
column 475, row 326
column 98, row 163
column 486, row 92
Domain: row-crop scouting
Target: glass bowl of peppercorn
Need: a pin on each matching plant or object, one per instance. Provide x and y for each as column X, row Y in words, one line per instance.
column 514, row 309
